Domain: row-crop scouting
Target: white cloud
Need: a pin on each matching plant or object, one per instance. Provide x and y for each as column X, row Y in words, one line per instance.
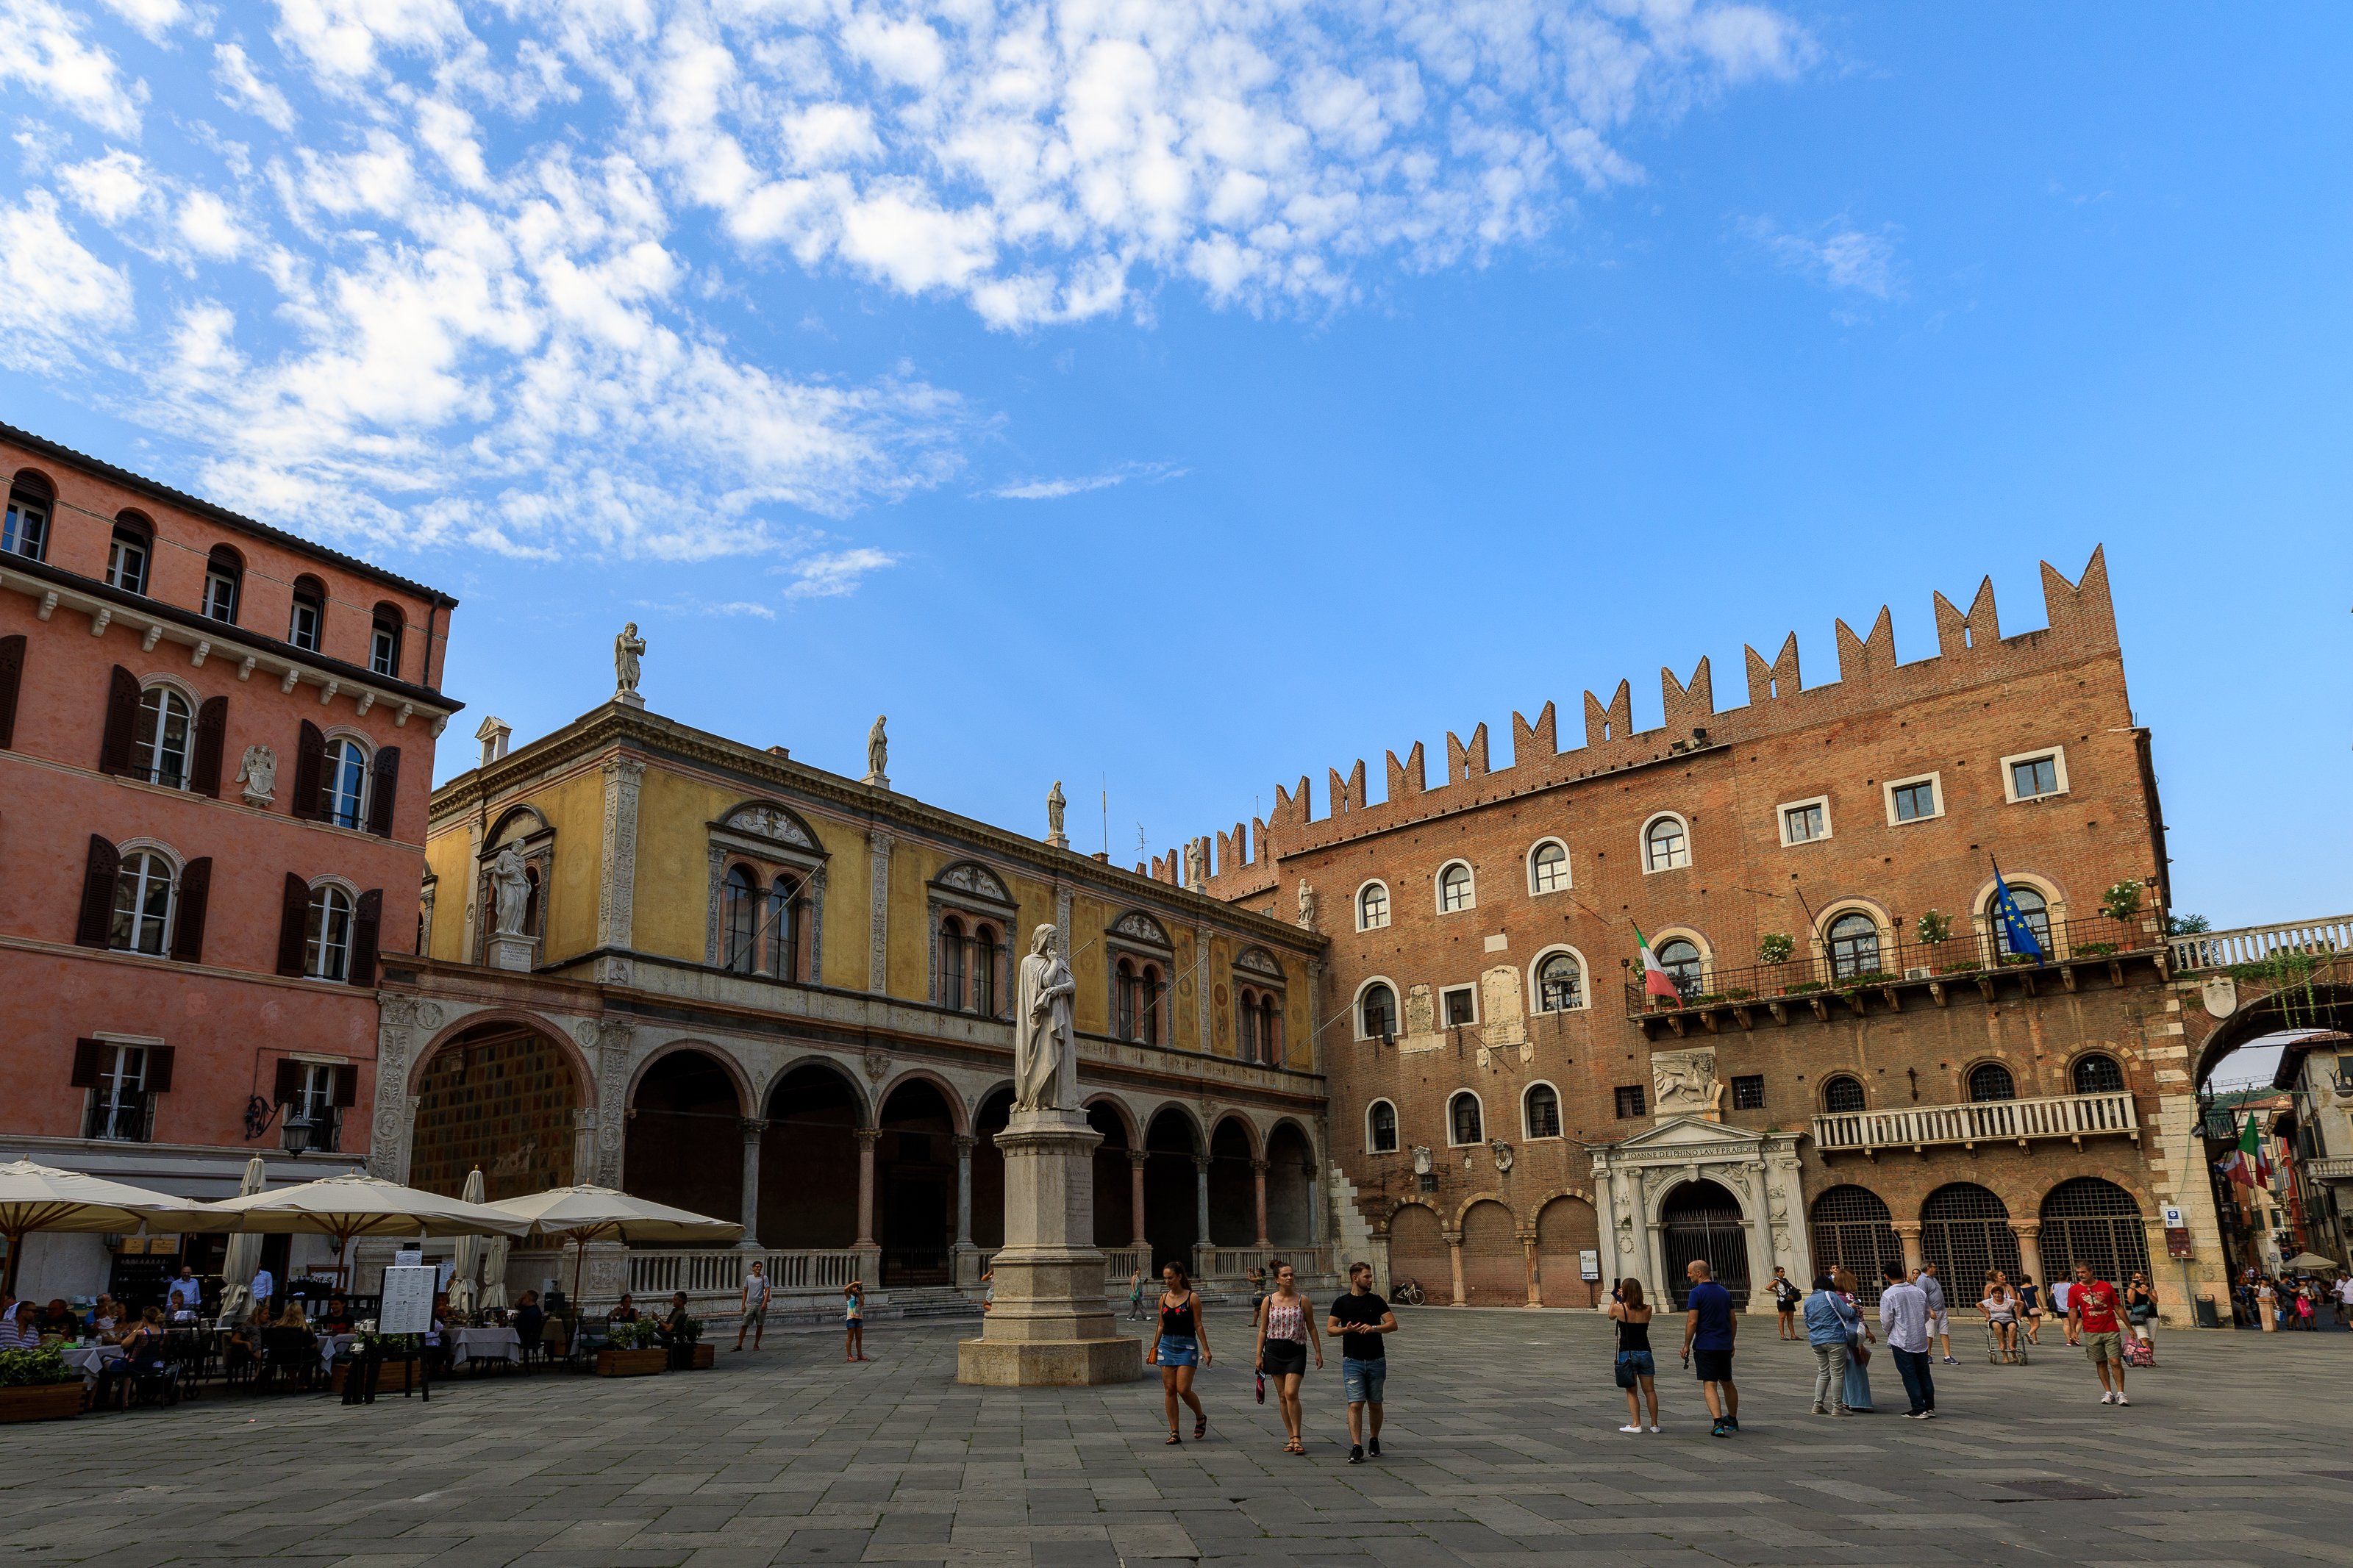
column 108, row 188
column 153, row 18
column 1836, row 256
column 209, row 228
column 241, row 87
column 1055, row 489
column 835, row 573
column 55, row 296
column 42, row 47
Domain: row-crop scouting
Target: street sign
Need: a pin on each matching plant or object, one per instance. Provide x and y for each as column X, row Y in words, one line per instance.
column 2177, row 1232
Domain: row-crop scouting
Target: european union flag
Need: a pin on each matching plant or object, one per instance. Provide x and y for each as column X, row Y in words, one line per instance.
column 2019, row 936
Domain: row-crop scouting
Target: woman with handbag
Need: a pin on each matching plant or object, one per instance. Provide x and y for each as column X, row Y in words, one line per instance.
column 1633, row 1369
column 1858, row 1356
column 2140, row 1308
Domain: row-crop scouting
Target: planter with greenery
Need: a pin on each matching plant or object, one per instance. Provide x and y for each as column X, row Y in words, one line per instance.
column 1776, row 947
column 632, row 1352
column 37, row 1385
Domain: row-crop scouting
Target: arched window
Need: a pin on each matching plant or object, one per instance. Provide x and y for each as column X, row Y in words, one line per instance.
column 1123, row 997
column 1964, row 1231
column 1542, row 1107
column 1462, row 1119
column 27, row 529
column 383, row 641
column 1679, row 956
column 2036, row 910
column 2087, row 1220
column 1148, row 1004
column 1548, row 867
column 127, row 555
column 1261, row 1024
column 984, row 969
column 784, row 928
column 952, row 962
column 1666, row 846
column 306, row 627
column 327, row 935
column 1454, row 889
column 1380, row 1123
column 223, row 584
column 1854, row 945
column 342, row 784
column 1379, row 1008
column 1843, row 1095
column 159, row 746
column 1373, row 907
column 1992, row 1081
column 739, row 920
column 1560, row 984
column 1853, row 1231
column 2096, row 1074
column 143, row 904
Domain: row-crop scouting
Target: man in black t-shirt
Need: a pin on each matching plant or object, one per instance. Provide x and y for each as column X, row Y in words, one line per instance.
column 1360, row 1319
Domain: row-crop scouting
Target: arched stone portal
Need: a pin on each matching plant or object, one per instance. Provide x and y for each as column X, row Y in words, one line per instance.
column 502, row 1096
column 1701, row 1220
column 686, row 1136
column 808, row 1161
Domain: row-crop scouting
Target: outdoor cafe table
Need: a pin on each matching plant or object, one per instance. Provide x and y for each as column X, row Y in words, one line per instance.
column 484, row 1344
column 91, row 1360
column 331, row 1346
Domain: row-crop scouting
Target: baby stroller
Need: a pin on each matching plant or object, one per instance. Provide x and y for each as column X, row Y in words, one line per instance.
column 2139, row 1352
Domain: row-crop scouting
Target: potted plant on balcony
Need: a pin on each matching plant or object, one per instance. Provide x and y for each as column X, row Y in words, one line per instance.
column 631, row 1353
column 37, row 1385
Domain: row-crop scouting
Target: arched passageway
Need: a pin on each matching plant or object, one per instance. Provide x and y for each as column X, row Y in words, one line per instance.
column 1116, row 1187
column 2087, row 1220
column 686, row 1136
column 1234, row 1187
column 1854, row 1238
column 1417, row 1252
column 1701, row 1220
column 988, row 1169
column 1494, row 1264
column 1172, row 1190
column 1289, row 1188
column 501, row 1097
column 915, row 1186
column 1964, row 1231
column 808, row 1161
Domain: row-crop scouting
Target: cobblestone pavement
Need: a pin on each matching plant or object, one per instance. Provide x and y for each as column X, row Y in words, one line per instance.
column 1501, row 1439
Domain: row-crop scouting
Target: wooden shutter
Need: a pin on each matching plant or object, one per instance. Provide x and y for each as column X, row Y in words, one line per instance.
column 365, row 927
column 96, row 927
column 347, row 1087
column 90, row 1062
column 122, row 718
column 289, row 1087
column 309, row 758
column 293, row 913
column 188, row 925
column 382, row 791
column 12, row 677
column 159, row 1070
column 212, row 733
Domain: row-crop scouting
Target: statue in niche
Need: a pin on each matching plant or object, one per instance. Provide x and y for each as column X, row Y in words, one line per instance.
column 1045, row 1058
column 510, row 890
column 877, row 748
column 1306, row 905
column 1055, row 806
column 257, row 775
column 627, row 649
column 1685, row 1081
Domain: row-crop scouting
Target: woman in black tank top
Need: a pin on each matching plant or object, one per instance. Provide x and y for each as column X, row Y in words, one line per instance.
column 1180, row 1348
column 1634, row 1369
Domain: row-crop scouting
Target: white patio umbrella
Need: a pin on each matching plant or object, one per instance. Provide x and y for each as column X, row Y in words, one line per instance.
column 494, row 1274
column 585, row 1213
column 356, row 1204
column 464, row 1284
column 243, row 1259
column 42, row 1197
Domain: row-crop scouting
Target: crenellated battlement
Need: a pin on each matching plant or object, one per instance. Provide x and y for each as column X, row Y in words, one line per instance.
column 1970, row 650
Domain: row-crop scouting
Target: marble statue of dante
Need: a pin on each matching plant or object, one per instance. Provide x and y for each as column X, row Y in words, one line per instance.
column 1054, row 807
column 511, row 889
column 878, row 747
column 627, row 648
column 1045, row 1058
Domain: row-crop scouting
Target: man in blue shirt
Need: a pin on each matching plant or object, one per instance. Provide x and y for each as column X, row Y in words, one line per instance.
column 1708, row 1329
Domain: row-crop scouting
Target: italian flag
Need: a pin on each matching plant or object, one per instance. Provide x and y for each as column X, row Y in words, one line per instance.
column 2245, row 1165
column 1655, row 980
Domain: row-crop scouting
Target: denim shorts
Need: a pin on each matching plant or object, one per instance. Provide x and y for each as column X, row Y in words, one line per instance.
column 1362, row 1379
column 1178, row 1350
column 1632, row 1364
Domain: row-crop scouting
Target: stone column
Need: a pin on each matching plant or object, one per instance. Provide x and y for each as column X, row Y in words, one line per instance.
column 754, row 1130
column 963, row 1190
column 1907, row 1231
column 1604, row 1212
column 617, row 873
column 1206, row 1245
column 1454, row 1261
column 1135, row 1159
column 867, row 1137
column 1760, row 1241
column 2029, row 1247
column 878, row 929
column 1535, row 1285
column 1258, row 1178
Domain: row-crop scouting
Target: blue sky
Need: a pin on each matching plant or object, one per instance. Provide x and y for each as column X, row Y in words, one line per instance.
column 1182, row 399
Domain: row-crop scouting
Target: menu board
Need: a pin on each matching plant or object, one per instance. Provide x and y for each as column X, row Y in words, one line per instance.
column 407, row 1307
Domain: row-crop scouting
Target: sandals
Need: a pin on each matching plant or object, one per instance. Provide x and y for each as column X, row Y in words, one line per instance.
column 1173, row 1437
column 1201, row 1428
column 1294, row 1447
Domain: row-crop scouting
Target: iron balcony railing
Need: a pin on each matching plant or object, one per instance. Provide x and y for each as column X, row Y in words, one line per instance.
column 1964, row 955
column 1981, row 1121
column 2254, row 945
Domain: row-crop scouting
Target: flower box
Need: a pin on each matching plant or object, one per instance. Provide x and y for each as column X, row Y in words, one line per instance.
column 393, row 1377
column 704, row 1355
column 631, row 1363
column 41, row 1401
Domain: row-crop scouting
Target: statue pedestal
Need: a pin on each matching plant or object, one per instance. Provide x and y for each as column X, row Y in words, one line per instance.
column 1052, row 1325
column 508, row 952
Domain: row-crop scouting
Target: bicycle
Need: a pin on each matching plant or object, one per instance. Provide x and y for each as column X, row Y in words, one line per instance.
column 1408, row 1293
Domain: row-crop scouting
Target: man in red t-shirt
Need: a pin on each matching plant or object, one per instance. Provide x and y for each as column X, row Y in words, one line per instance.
column 2093, row 1305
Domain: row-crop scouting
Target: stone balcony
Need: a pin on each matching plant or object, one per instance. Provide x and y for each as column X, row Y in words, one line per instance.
column 2075, row 1117
column 2337, row 1168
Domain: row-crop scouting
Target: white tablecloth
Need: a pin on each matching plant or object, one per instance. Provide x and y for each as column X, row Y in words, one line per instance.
column 331, row 1346
column 88, row 1360
column 484, row 1344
